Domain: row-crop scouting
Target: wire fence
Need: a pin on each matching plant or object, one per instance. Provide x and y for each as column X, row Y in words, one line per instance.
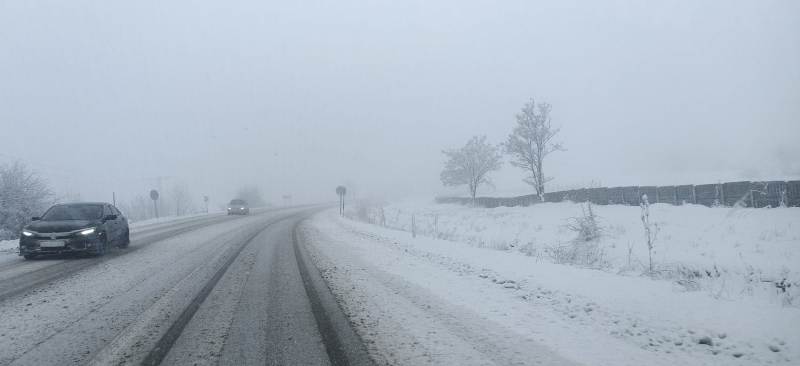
column 743, row 193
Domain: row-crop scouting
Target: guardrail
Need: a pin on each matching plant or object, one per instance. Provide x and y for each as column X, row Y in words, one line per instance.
column 743, row 193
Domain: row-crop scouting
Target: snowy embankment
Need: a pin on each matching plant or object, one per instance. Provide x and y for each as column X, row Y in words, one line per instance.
column 610, row 314
column 730, row 252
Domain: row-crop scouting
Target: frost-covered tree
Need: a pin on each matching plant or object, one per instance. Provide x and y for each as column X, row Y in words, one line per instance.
column 23, row 194
column 471, row 164
column 139, row 208
column 531, row 142
column 182, row 199
column 252, row 195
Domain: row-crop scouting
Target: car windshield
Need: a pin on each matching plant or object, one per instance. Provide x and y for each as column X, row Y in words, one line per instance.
column 73, row 212
column 237, row 202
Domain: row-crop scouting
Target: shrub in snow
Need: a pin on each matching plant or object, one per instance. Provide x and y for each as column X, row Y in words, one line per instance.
column 368, row 211
column 23, row 194
column 585, row 249
column 650, row 229
column 576, row 253
column 585, row 226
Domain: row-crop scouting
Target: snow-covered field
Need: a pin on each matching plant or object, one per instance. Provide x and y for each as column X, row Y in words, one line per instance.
column 714, row 299
column 730, row 252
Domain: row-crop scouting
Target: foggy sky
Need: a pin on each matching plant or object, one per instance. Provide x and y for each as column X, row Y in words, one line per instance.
column 297, row 97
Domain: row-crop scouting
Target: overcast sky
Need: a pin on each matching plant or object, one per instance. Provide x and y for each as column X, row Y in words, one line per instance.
column 300, row 96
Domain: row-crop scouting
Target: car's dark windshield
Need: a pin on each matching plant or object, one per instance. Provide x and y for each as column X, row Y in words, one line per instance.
column 73, row 212
column 237, row 202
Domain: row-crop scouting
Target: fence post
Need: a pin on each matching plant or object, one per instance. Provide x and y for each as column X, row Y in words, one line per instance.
column 413, row 226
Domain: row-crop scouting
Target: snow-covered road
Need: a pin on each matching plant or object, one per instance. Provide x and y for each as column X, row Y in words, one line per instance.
column 213, row 290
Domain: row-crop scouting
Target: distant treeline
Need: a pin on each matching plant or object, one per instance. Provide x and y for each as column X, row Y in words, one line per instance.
column 747, row 194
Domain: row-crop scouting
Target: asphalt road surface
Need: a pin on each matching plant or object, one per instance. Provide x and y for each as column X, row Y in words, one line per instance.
column 212, row 290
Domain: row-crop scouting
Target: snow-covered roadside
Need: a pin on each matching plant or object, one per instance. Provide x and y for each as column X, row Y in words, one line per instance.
column 398, row 290
column 729, row 252
column 9, row 246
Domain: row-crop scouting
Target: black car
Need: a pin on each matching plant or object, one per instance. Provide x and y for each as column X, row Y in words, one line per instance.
column 87, row 228
column 238, row 207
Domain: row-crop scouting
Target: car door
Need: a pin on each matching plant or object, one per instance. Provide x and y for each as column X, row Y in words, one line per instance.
column 122, row 221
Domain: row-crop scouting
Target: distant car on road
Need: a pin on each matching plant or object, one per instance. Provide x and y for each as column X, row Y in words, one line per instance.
column 84, row 228
column 238, row 207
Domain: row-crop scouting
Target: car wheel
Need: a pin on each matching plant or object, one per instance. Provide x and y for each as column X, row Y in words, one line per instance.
column 29, row 256
column 100, row 250
column 125, row 240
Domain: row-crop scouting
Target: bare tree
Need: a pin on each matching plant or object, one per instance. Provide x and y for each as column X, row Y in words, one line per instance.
column 23, row 194
column 471, row 164
column 137, row 209
column 531, row 141
column 252, row 195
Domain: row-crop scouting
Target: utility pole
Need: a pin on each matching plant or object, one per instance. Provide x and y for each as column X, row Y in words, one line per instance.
column 341, row 191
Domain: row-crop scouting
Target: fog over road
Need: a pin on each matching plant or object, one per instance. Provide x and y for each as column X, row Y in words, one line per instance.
column 206, row 290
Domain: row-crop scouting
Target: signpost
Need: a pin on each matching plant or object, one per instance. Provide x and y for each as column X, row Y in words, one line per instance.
column 341, row 191
column 154, row 197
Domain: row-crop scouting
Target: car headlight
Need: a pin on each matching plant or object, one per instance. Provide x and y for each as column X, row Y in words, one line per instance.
column 229, row 208
column 27, row 233
column 88, row 231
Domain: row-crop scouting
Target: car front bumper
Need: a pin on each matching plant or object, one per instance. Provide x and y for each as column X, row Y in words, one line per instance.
column 38, row 246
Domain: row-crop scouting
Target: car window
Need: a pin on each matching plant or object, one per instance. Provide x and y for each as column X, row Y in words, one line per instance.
column 73, row 212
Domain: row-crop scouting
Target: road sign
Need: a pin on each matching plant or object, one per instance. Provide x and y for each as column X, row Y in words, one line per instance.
column 154, row 197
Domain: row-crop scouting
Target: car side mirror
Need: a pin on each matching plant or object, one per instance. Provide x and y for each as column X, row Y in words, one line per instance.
column 35, row 218
column 110, row 217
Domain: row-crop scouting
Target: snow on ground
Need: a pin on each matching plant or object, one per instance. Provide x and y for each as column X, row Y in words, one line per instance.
column 9, row 246
column 403, row 293
column 730, row 252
